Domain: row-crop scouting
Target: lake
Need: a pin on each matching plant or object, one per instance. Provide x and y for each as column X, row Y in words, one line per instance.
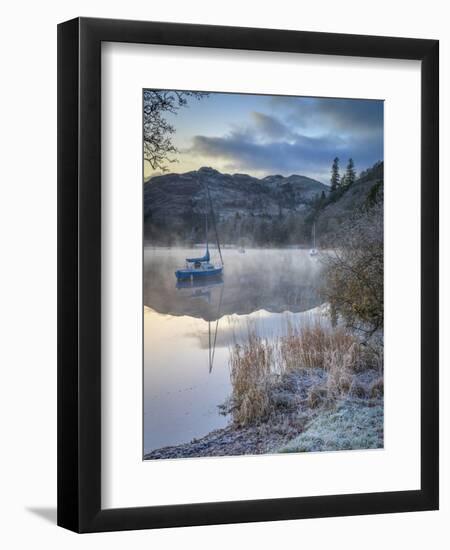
column 189, row 328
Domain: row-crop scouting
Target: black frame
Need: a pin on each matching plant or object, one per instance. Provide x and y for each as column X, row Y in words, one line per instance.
column 79, row 274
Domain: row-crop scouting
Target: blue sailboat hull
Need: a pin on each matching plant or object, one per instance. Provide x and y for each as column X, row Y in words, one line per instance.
column 183, row 274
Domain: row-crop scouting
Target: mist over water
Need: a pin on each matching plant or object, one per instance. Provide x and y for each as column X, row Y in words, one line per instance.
column 276, row 280
column 189, row 327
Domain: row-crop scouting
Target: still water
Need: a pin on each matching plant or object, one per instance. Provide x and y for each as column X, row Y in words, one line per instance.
column 189, row 328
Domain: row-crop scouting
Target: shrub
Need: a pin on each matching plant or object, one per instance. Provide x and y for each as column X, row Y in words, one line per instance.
column 376, row 389
column 354, row 271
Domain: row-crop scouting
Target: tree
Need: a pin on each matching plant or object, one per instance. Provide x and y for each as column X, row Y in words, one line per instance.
column 335, row 178
column 158, row 146
column 319, row 201
column 350, row 174
column 354, row 270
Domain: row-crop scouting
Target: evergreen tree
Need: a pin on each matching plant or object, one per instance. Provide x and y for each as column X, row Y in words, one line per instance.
column 320, row 200
column 335, row 177
column 350, row 174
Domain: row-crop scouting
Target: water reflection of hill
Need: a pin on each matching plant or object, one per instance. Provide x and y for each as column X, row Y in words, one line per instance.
column 236, row 328
column 273, row 280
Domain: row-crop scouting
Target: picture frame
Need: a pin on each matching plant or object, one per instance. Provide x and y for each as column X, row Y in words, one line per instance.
column 80, row 275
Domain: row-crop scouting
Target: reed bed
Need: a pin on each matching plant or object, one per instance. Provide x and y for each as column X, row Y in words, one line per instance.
column 252, row 369
column 257, row 365
column 318, row 346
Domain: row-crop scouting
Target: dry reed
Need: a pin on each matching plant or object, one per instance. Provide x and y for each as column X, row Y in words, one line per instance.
column 252, row 369
column 316, row 346
column 257, row 364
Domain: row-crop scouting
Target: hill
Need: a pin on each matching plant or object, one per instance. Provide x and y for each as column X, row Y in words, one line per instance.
column 246, row 208
column 340, row 205
column 275, row 210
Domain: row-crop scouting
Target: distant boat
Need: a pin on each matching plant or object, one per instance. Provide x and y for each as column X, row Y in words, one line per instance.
column 313, row 251
column 202, row 267
column 241, row 250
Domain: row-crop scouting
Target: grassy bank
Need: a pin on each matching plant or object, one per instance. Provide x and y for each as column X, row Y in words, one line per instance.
column 350, row 425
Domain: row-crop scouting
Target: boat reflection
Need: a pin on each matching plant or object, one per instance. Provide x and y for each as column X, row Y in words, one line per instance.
column 211, row 292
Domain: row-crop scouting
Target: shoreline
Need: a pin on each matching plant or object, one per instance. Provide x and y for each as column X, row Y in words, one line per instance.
column 296, row 424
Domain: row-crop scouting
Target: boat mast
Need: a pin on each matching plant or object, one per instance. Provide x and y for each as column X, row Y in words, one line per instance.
column 215, row 332
column 206, row 219
column 209, row 345
column 214, row 224
column 314, row 235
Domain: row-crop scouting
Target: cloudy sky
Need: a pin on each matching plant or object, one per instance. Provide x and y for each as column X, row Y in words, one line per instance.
column 265, row 135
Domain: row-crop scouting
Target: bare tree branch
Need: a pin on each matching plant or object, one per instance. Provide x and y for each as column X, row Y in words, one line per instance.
column 158, row 145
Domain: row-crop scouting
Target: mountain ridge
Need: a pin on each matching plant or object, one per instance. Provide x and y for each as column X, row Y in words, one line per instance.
column 209, row 169
column 276, row 209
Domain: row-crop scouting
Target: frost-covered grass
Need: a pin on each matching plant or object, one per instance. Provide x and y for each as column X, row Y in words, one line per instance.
column 351, row 425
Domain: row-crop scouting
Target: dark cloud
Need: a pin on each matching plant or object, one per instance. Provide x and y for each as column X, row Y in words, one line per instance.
column 351, row 115
column 303, row 138
column 269, row 126
column 360, row 118
column 304, row 155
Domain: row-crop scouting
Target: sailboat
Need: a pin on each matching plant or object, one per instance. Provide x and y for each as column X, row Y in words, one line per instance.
column 202, row 267
column 313, row 251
